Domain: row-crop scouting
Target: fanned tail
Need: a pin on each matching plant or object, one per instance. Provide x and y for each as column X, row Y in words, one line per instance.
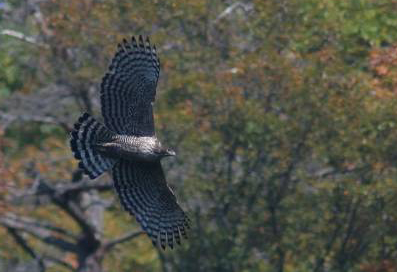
column 86, row 133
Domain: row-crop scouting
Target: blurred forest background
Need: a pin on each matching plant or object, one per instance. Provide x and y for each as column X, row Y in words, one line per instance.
column 282, row 112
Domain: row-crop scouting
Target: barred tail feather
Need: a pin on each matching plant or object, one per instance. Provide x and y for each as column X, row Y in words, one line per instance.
column 86, row 133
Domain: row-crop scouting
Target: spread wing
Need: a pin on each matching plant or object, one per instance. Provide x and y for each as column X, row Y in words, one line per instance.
column 144, row 193
column 128, row 89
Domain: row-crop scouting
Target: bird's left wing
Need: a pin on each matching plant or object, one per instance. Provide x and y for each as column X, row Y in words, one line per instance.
column 128, row 89
column 144, row 193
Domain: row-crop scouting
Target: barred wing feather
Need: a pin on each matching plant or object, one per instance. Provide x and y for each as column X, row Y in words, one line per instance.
column 128, row 89
column 144, row 193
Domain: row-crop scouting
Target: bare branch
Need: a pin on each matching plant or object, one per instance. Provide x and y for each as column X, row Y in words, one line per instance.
column 83, row 186
column 9, row 118
column 244, row 6
column 76, row 213
column 30, row 223
column 40, row 234
column 23, row 37
column 22, row 117
column 24, row 244
column 71, row 188
column 68, row 206
column 58, row 261
column 122, row 239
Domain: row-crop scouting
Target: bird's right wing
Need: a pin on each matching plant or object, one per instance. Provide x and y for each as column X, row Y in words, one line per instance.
column 128, row 89
column 144, row 193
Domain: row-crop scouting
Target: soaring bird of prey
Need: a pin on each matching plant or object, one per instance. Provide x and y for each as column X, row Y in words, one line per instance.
column 127, row 145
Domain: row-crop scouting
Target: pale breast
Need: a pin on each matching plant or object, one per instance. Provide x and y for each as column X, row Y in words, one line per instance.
column 137, row 148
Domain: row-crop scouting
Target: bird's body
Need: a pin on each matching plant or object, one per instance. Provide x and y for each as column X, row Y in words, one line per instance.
column 127, row 146
column 134, row 148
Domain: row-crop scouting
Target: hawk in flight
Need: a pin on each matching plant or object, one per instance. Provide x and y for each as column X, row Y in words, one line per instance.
column 127, row 145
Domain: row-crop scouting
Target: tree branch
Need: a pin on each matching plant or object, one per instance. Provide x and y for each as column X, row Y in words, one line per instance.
column 83, row 186
column 30, row 223
column 63, row 190
column 131, row 235
column 23, row 37
column 40, row 234
column 244, row 6
column 10, row 118
column 59, row 261
column 69, row 207
column 25, row 246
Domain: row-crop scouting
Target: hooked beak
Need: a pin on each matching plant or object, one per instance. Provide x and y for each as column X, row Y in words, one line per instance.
column 171, row 153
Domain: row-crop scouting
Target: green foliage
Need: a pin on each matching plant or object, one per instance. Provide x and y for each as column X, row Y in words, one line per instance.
column 10, row 71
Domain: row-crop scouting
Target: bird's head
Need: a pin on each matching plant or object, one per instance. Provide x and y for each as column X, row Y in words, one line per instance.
column 168, row 152
column 164, row 151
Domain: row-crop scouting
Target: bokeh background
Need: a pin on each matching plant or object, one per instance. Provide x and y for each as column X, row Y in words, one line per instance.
column 282, row 112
